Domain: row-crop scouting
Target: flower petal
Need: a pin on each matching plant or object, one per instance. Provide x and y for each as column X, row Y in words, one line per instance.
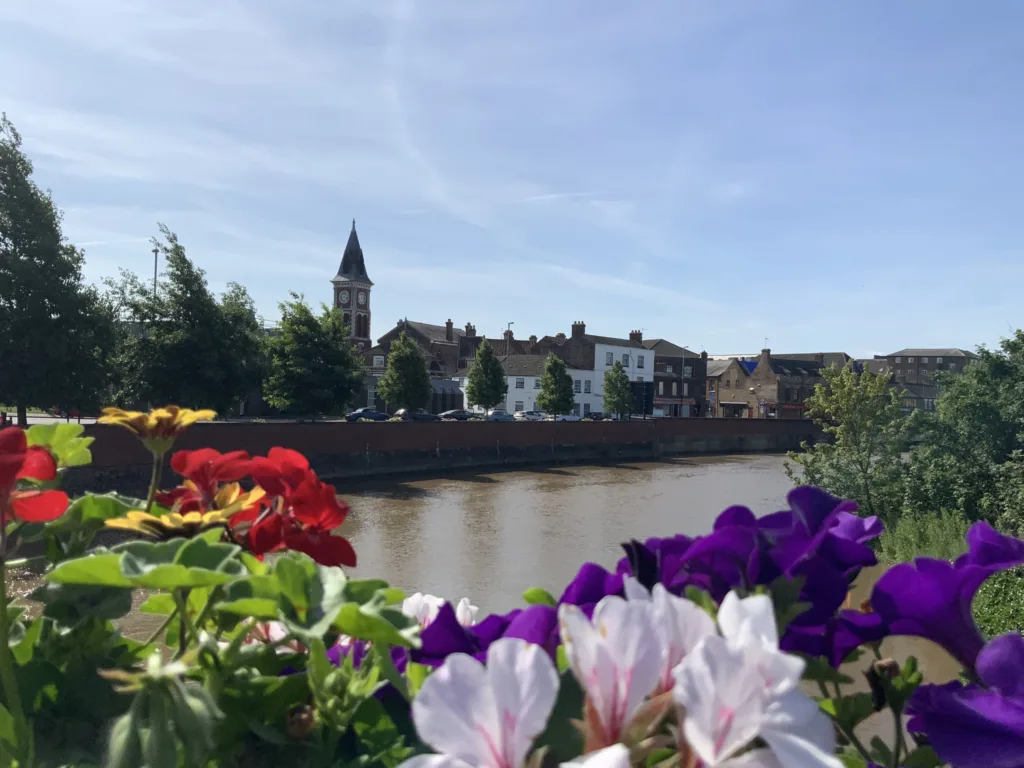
column 680, row 625
column 434, row 761
column 525, row 685
column 615, row 756
column 1001, row 665
column 38, row 506
column 753, row 616
column 455, row 712
column 627, row 631
column 39, row 465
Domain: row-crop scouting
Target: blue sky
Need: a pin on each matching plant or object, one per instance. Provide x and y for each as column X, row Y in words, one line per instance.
column 832, row 175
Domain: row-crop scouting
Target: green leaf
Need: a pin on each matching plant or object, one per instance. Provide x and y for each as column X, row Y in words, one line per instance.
column 99, row 570
column 849, row 711
column 6, row 726
column 162, row 605
column 416, row 674
column 376, row 622
column 170, row 577
column 852, row 758
column 880, row 751
column 200, row 553
column 363, row 590
column 256, row 596
column 922, row 757
column 561, row 659
column 23, row 651
column 91, row 511
column 539, row 596
column 818, row 670
column 311, row 595
column 560, row 736
column 64, row 441
column 67, row 604
column 702, row 599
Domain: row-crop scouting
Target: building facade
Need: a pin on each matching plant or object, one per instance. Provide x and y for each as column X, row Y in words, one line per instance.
column 680, row 379
column 782, row 385
column 352, row 287
column 728, row 389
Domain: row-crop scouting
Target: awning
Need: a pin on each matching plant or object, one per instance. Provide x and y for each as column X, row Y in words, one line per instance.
column 744, row 405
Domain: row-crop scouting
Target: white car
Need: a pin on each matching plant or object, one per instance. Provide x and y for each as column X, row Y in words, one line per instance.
column 562, row 417
column 530, row 415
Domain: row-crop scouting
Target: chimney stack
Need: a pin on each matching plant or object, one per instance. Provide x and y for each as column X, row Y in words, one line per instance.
column 533, row 342
column 765, row 358
column 560, row 336
column 637, row 336
column 448, row 332
column 579, row 328
column 470, row 330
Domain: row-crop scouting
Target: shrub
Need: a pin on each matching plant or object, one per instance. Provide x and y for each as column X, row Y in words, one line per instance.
column 919, row 535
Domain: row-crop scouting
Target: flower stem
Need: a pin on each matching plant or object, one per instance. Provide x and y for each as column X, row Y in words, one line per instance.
column 215, row 594
column 154, row 479
column 160, row 630
column 7, row 676
column 900, row 744
column 847, row 732
column 181, row 598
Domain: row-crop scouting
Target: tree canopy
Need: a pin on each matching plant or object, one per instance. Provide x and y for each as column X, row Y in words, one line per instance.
column 618, row 395
column 312, row 367
column 183, row 345
column 556, row 395
column 406, row 381
column 488, row 384
column 57, row 331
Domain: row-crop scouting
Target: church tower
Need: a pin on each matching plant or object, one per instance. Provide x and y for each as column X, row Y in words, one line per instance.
column 352, row 291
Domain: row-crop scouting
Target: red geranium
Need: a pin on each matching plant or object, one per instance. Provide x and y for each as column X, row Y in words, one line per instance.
column 20, row 462
column 204, row 470
column 303, row 511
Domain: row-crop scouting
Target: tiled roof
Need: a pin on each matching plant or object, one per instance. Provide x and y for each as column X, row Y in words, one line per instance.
column 524, row 365
column 613, row 341
column 874, row 365
column 790, row 367
column 921, row 352
column 827, row 358
column 717, row 367
column 437, row 333
column 668, row 349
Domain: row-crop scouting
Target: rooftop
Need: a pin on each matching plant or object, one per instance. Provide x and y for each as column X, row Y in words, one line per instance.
column 668, row 349
column 353, row 267
column 934, row 352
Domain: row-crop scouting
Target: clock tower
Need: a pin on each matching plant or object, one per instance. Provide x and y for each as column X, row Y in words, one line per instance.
column 352, row 291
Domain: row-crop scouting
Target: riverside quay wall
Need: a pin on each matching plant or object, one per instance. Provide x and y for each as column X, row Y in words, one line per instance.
column 339, row 450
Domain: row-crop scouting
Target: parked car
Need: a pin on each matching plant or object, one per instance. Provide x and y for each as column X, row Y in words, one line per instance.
column 494, row 415
column 595, row 416
column 457, row 414
column 417, row 415
column 367, row 413
column 562, row 417
column 530, row 415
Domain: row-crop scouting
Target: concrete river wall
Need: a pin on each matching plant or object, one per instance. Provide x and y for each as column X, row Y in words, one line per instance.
column 338, row 450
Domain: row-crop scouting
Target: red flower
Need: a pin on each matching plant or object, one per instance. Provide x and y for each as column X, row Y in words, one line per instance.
column 19, row 462
column 303, row 514
column 204, row 470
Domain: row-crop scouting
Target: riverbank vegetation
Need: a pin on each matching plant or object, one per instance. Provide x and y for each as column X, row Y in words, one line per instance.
column 930, row 475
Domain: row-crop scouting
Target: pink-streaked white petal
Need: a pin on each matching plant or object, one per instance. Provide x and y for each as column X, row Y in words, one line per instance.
column 723, row 698
column 465, row 612
column 433, row 761
column 754, row 615
column 422, row 607
column 680, row 625
column 525, row 685
column 799, row 733
column 615, row 756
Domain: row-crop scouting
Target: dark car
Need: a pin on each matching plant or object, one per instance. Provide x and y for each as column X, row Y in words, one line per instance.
column 367, row 413
column 418, row 415
column 494, row 415
column 595, row 416
column 457, row 414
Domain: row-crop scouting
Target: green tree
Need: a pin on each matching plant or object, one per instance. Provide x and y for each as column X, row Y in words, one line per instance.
column 312, row 367
column 618, row 395
column 863, row 460
column 406, row 381
column 57, row 332
column 182, row 345
column 556, row 395
column 488, row 385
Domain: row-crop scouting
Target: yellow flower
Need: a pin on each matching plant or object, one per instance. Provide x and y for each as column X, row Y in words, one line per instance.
column 229, row 500
column 160, row 427
column 173, row 525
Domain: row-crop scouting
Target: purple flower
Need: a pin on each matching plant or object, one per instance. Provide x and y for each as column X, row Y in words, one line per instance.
column 932, row 598
column 837, row 637
column 444, row 635
column 590, row 585
column 971, row 726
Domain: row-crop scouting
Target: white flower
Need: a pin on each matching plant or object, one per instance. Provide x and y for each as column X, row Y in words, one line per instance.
column 616, row 658
column 615, row 756
column 741, row 686
column 485, row 717
column 679, row 624
column 273, row 632
column 424, row 609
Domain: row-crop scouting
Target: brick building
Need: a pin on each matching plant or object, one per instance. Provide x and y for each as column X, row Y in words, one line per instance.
column 782, row 385
column 680, row 379
column 352, row 287
column 728, row 389
column 915, row 369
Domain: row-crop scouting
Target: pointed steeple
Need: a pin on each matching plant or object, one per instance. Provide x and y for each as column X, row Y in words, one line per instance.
column 352, row 265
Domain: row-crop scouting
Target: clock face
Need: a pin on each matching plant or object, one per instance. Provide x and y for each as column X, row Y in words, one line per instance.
column 344, row 297
column 361, row 298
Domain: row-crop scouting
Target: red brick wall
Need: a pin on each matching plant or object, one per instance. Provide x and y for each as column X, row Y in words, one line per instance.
column 116, row 447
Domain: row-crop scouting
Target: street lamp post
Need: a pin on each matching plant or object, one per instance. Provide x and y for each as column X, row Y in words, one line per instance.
column 156, row 255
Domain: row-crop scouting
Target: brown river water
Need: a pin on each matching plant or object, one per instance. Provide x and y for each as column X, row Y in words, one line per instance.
column 489, row 536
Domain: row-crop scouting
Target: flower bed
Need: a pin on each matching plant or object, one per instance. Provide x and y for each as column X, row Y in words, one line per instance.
column 690, row 653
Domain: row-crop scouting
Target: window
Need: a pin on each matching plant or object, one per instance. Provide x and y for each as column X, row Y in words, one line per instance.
column 687, row 371
column 640, row 379
column 952, row 366
column 536, row 383
column 924, row 359
column 625, row 360
column 675, row 388
column 938, row 359
column 576, row 410
column 898, row 360
column 661, row 387
column 686, row 388
column 639, row 361
column 899, row 372
column 519, row 405
column 910, row 359
column 668, row 369
column 520, row 383
column 728, row 383
column 378, row 361
column 586, row 386
column 586, row 409
column 576, row 386
column 609, row 358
